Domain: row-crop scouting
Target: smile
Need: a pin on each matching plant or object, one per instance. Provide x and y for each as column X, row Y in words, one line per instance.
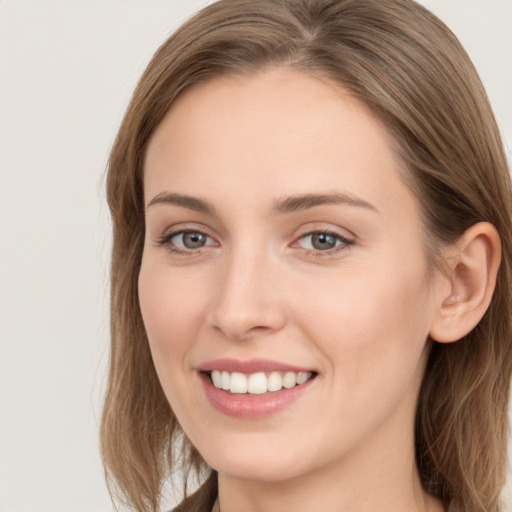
column 256, row 388
column 257, row 383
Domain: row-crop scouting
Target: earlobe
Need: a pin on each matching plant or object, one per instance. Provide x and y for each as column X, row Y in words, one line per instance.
column 472, row 279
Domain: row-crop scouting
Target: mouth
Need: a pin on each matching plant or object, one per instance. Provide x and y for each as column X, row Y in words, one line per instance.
column 254, row 389
column 258, row 383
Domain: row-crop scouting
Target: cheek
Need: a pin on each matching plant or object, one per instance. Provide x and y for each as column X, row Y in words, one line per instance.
column 370, row 322
column 171, row 310
column 371, row 333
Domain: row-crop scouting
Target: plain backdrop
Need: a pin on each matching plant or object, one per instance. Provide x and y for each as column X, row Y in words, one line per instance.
column 67, row 69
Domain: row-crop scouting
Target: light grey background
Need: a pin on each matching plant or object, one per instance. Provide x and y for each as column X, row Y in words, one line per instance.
column 67, row 69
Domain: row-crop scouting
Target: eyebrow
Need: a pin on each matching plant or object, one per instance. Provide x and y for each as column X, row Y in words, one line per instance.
column 281, row 206
column 303, row 202
column 188, row 202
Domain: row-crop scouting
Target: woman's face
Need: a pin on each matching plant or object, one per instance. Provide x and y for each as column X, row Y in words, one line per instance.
column 282, row 244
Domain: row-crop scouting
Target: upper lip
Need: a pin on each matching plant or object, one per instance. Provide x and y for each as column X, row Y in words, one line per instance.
column 250, row 366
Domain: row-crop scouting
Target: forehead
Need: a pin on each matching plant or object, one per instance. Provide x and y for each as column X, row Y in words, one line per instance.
column 278, row 132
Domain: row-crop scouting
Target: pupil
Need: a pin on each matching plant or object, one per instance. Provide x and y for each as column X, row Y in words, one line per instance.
column 323, row 241
column 193, row 240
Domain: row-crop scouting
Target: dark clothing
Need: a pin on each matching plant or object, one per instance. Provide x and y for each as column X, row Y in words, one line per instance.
column 203, row 499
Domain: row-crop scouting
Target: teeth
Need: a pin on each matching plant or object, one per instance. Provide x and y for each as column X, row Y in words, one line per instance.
column 217, row 379
column 225, row 383
column 302, row 377
column 274, row 381
column 289, row 380
column 238, row 383
column 257, row 383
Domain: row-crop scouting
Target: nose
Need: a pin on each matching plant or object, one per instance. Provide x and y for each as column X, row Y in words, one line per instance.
column 248, row 300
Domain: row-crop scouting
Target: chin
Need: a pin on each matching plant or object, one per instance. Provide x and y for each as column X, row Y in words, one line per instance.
column 256, row 462
column 257, row 471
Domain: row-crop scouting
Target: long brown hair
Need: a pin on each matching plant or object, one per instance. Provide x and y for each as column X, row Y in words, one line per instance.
column 411, row 71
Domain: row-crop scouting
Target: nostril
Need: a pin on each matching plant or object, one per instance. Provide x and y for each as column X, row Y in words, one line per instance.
column 259, row 328
column 242, row 309
column 241, row 331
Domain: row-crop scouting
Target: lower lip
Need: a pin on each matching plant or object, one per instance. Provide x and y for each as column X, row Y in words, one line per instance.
column 252, row 406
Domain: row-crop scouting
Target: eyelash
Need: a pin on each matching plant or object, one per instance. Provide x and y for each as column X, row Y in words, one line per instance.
column 165, row 241
column 344, row 243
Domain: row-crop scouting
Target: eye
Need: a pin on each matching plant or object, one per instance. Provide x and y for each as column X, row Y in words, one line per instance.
column 323, row 241
column 182, row 241
column 190, row 240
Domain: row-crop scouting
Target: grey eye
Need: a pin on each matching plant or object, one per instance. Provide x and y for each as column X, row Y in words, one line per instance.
column 190, row 240
column 322, row 241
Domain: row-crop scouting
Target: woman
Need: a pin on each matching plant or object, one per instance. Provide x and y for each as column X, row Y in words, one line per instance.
column 311, row 266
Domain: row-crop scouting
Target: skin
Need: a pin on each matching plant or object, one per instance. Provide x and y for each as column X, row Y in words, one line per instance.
column 359, row 315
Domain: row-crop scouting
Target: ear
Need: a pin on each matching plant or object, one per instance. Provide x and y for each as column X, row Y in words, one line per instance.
column 473, row 267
